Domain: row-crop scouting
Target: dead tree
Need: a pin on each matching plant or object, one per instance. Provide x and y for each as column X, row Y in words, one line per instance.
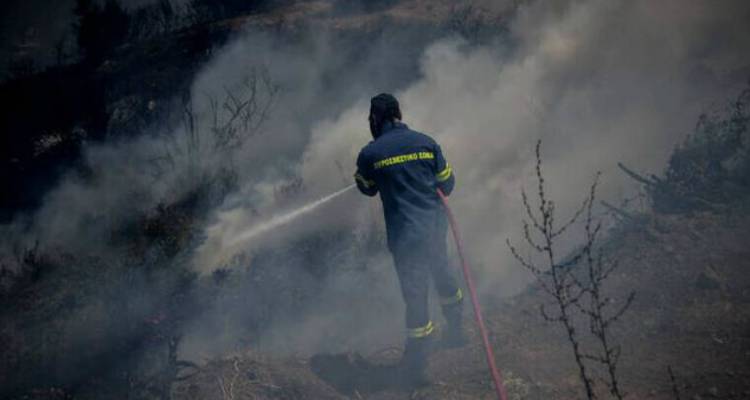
column 576, row 282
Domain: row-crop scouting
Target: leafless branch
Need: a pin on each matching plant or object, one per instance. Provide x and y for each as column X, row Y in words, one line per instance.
column 575, row 283
column 556, row 277
column 204, row 146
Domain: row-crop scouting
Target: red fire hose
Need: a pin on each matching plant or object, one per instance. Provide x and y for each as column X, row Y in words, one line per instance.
column 496, row 377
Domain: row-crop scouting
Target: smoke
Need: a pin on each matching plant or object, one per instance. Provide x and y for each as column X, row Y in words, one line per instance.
column 598, row 81
column 239, row 241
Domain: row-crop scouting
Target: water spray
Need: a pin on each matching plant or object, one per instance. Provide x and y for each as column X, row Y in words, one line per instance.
column 224, row 243
column 282, row 219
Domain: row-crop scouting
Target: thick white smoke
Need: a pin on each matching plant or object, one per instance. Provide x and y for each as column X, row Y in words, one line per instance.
column 598, row 81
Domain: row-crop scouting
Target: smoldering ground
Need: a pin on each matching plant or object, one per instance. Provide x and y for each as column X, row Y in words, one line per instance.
column 598, row 82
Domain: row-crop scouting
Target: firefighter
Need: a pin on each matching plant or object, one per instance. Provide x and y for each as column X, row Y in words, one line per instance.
column 407, row 167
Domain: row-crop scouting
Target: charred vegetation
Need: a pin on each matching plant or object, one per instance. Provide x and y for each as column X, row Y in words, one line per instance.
column 114, row 320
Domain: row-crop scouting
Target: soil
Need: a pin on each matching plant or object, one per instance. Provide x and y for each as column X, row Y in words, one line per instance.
column 690, row 313
column 689, row 273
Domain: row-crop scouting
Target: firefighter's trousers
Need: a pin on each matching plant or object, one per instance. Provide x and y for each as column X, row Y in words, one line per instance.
column 416, row 262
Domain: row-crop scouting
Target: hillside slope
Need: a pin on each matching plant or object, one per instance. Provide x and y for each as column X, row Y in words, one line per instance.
column 690, row 313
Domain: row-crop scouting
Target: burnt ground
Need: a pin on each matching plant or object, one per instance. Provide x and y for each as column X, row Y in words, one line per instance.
column 689, row 271
column 690, row 313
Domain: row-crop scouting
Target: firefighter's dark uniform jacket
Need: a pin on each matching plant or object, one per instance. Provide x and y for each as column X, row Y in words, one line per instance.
column 407, row 167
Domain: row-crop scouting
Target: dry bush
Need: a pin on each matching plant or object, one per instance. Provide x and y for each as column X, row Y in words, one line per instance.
column 201, row 151
column 710, row 169
column 576, row 283
column 111, row 322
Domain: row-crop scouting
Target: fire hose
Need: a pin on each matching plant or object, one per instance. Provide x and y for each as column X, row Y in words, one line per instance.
column 496, row 377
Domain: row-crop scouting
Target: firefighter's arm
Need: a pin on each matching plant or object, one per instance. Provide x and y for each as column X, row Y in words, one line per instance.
column 363, row 177
column 443, row 172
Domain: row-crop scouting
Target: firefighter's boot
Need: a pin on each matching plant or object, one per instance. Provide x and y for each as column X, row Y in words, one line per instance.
column 453, row 334
column 412, row 370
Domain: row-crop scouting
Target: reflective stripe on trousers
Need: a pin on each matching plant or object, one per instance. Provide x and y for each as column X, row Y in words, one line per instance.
column 415, row 264
column 420, row 332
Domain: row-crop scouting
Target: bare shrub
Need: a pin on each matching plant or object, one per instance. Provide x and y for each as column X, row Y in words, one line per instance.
column 202, row 150
column 575, row 282
column 116, row 316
